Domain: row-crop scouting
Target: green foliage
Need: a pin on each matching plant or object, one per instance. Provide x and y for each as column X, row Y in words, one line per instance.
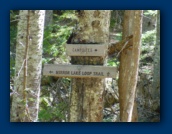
column 147, row 71
column 56, row 35
column 112, row 23
column 50, row 113
column 13, row 34
column 12, row 66
column 149, row 37
column 116, row 19
column 68, row 14
column 54, row 101
column 118, row 36
column 150, row 12
column 147, row 47
column 112, row 62
column 148, row 43
column 108, row 119
column 14, row 16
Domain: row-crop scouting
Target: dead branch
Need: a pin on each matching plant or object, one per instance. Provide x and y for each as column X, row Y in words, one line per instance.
column 117, row 47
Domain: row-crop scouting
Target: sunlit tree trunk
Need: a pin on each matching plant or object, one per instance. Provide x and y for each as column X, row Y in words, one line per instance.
column 87, row 93
column 25, row 103
column 156, row 74
column 129, row 64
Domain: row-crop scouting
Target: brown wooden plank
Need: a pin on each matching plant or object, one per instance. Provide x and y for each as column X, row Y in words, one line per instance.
column 79, row 71
column 86, row 49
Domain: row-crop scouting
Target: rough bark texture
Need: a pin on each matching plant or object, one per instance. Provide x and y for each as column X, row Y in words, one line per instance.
column 87, row 93
column 156, row 76
column 129, row 63
column 25, row 103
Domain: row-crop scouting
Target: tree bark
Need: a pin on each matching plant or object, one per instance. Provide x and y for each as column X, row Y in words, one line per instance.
column 87, row 93
column 156, row 75
column 25, row 103
column 129, row 63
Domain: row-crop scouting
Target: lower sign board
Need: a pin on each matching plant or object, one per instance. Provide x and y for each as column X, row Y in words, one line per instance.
column 86, row 49
column 79, row 71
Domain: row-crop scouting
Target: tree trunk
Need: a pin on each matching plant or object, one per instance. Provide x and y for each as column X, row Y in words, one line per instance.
column 156, row 75
column 129, row 63
column 87, row 93
column 25, row 103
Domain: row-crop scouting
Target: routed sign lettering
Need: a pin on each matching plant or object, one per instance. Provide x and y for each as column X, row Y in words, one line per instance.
column 79, row 71
column 86, row 49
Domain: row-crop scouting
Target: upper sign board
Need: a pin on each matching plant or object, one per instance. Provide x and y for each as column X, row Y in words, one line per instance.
column 79, row 71
column 86, row 49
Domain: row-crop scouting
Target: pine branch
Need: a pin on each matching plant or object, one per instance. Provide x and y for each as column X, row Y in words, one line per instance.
column 119, row 46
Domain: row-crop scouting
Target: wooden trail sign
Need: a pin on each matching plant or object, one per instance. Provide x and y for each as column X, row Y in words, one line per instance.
column 79, row 71
column 86, row 49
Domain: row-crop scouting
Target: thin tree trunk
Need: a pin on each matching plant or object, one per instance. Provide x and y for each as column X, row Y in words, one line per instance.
column 129, row 63
column 156, row 74
column 87, row 93
column 25, row 103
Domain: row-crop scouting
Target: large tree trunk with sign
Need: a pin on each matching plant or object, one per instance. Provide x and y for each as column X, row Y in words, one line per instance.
column 86, row 102
column 129, row 64
column 25, row 103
